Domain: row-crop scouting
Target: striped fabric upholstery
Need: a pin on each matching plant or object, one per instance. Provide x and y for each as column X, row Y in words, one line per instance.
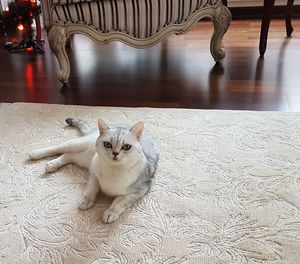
column 138, row 18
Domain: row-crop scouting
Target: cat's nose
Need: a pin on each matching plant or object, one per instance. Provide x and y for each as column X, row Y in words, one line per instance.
column 115, row 154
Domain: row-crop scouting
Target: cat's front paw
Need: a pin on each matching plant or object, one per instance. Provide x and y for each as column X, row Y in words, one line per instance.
column 51, row 166
column 86, row 202
column 110, row 216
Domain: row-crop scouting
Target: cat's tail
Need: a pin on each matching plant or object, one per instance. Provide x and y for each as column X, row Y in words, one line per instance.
column 83, row 127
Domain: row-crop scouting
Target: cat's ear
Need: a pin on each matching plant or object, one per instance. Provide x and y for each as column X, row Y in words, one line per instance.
column 137, row 130
column 103, row 128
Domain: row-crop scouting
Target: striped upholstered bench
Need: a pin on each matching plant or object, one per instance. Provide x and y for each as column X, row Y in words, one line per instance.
column 138, row 23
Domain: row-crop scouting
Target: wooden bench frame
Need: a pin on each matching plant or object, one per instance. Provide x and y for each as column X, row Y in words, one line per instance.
column 60, row 32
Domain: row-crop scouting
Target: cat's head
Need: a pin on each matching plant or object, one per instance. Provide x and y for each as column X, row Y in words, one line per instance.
column 119, row 145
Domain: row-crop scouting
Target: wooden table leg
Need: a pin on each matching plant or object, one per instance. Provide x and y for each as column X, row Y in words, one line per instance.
column 288, row 18
column 267, row 13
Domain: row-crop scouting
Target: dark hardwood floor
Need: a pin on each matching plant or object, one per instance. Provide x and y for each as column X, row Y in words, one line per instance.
column 179, row 72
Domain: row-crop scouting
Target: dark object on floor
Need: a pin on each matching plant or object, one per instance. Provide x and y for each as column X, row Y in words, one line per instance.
column 26, row 45
column 23, row 13
column 268, row 8
column 266, row 18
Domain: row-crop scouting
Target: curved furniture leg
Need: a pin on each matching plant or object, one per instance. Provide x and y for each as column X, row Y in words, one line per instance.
column 69, row 40
column 221, row 19
column 265, row 24
column 57, row 40
column 288, row 18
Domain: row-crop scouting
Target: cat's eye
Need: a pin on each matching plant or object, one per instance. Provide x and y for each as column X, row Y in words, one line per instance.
column 126, row 147
column 107, row 144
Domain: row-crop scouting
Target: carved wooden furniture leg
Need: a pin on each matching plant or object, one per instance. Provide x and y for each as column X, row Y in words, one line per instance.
column 57, row 40
column 221, row 20
column 69, row 40
column 268, row 7
column 288, row 18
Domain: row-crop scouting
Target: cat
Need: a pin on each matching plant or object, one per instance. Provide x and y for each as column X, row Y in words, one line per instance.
column 122, row 162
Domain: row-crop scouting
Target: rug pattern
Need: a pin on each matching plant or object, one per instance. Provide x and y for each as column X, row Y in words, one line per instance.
column 227, row 190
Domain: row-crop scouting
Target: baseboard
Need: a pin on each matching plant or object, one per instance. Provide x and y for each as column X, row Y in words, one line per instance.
column 255, row 12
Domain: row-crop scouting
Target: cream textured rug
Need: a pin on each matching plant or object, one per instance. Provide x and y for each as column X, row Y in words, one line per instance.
column 227, row 190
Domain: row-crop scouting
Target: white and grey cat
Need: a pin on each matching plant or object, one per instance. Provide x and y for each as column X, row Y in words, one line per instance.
column 121, row 160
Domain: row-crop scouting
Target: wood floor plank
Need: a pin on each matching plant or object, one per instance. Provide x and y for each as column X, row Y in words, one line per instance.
column 179, row 72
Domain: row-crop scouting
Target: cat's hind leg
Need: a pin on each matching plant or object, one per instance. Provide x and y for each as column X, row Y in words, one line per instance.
column 43, row 153
column 59, row 162
column 73, row 145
